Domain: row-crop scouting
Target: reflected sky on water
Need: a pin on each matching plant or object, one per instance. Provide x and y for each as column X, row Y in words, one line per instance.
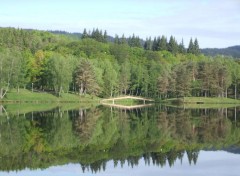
column 214, row 163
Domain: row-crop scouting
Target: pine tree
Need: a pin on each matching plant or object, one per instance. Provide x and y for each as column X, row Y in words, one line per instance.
column 181, row 48
column 196, row 47
column 147, row 44
column 105, row 37
column 172, row 45
column 116, row 39
column 85, row 34
column 154, row 45
column 123, row 40
column 163, row 43
column 190, row 47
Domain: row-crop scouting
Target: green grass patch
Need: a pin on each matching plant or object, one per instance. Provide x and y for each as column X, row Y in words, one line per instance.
column 202, row 100
column 26, row 96
column 21, row 108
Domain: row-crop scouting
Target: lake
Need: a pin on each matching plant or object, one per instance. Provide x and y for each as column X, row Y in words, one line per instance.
column 87, row 140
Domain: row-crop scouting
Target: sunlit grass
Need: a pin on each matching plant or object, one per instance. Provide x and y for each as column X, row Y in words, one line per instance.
column 42, row 97
column 200, row 101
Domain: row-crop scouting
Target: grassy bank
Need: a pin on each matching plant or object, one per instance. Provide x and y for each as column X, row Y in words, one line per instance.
column 202, row 100
column 26, row 96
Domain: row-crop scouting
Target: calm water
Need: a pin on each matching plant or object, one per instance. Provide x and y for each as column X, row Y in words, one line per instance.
column 155, row 140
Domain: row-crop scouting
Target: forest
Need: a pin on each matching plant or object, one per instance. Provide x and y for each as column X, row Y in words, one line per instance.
column 93, row 64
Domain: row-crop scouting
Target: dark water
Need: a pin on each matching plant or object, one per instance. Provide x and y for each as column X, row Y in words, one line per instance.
column 155, row 140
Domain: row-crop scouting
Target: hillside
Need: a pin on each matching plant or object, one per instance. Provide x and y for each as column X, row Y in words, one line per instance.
column 233, row 51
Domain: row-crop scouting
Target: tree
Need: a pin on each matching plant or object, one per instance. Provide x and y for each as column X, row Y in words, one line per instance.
column 181, row 48
column 155, row 44
column 183, row 81
column 124, row 77
column 110, row 78
column 105, row 37
column 163, row 82
column 116, row 39
column 85, row 78
column 134, row 41
column 172, row 45
column 123, row 40
column 235, row 73
column 148, row 44
column 7, row 68
column 163, row 44
column 85, row 34
column 59, row 72
column 191, row 47
column 196, row 49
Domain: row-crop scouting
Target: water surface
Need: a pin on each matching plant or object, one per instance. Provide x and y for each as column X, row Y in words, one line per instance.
column 156, row 140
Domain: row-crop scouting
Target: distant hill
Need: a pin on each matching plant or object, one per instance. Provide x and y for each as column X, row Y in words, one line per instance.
column 233, row 51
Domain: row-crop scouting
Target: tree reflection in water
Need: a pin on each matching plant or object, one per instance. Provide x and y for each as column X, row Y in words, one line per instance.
column 160, row 135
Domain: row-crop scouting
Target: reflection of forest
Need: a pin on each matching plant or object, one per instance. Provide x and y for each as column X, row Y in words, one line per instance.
column 91, row 137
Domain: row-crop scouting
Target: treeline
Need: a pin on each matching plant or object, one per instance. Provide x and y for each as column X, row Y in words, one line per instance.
column 159, row 43
column 54, row 62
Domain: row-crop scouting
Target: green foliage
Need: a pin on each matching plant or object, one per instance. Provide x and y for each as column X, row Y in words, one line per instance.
column 85, row 78
column 53, row 61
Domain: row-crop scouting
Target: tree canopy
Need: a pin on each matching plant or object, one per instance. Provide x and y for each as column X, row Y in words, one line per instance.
column 92, row 64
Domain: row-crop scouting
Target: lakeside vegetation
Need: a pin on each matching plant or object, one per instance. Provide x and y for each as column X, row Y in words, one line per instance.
column 202, row 100
column 91, row 65
column 27, row 96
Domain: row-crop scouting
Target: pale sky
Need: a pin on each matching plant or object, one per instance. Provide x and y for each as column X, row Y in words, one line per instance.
column 216, row 23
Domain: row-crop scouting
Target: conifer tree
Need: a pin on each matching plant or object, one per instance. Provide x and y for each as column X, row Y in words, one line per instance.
column 190, row 47
column 147, row 44
column 196, row 47
column 163, row 43
column 116, row 39
column 123, row 40
column 154, row 45
column 85, row 34
column 181, row 48
column 105, row 37
column 172, row 45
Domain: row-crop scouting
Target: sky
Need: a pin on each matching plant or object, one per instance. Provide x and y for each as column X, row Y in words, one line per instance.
column 215, row 23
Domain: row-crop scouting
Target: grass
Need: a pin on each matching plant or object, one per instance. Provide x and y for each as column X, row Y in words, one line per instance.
column 26, row 96
column 203, row 102
column 20, row 108
column 213, row 100
column 27, row 101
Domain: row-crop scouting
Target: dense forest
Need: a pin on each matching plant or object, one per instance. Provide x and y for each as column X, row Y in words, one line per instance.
column 91, row 64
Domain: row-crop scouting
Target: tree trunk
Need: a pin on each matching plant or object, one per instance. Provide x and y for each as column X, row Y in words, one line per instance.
column 1, row 93
column 235, row 114
column 111, row 94
column 1, row 110
column 235, row 91
column 226, row 92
